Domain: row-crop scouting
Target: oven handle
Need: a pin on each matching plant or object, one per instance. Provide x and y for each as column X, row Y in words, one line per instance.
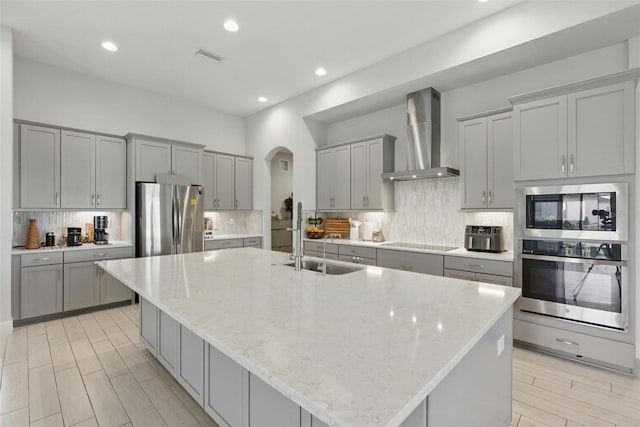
column 574, row 260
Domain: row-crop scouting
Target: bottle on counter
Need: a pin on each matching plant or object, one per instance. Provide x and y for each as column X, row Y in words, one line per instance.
column 33, row 237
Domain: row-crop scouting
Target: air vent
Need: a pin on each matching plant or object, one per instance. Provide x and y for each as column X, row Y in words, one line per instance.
column 209, row 55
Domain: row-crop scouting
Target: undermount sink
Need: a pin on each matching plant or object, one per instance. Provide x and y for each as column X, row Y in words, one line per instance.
column 332, row 269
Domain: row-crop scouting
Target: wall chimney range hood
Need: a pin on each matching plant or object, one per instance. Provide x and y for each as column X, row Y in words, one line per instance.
column 423, row 139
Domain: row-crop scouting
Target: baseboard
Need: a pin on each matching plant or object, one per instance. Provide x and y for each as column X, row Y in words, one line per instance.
column 6, row 328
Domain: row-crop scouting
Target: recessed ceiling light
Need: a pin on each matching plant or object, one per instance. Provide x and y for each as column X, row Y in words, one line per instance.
column 231, row 25
column 321, row 71
column 110, row 46
column 262, row 99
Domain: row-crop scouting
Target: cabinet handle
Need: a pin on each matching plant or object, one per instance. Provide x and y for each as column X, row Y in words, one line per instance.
column 93, row 200
column 42, row 259
column 476, row 266
column 571, row 163
column 407, row 267
column 58, row 199
column 489, row 196
column 364, row 201
column 100, row 254
column 367, row 201
column 562, row 168
column 98, row 200
column 483, row 196
column 236, row 204
column 567, row 342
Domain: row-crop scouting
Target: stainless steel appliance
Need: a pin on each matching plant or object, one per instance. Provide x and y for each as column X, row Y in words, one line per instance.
column 100, row 224
column 589, row 211
column 170, row 219
column 483, row 238
column 50, row 239
column 74, row 236
column 584, row 281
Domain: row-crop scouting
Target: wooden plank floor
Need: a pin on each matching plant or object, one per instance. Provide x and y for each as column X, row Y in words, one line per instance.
column 92, row 370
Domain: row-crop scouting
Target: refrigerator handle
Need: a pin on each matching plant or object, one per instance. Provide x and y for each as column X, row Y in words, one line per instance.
column 176, row 222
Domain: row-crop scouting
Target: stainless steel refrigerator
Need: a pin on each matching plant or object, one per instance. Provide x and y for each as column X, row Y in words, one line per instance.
column 170, row 219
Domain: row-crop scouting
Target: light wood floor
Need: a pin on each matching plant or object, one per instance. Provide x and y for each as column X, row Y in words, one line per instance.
column 92, row 370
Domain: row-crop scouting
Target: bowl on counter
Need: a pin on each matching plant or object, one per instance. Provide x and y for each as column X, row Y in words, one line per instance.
column 315, row 234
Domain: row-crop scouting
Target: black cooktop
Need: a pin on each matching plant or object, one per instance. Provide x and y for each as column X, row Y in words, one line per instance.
column 421, row 246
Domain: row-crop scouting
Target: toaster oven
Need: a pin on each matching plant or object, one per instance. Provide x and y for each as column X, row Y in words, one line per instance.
column 483, row 238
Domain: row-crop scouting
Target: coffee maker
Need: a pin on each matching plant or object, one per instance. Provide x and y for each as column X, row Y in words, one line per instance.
column 100, row 224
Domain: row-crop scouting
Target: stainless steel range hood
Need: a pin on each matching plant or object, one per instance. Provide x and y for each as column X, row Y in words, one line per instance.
column 423, row 139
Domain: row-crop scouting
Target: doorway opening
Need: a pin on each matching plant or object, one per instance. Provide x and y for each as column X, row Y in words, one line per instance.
column 281, row 200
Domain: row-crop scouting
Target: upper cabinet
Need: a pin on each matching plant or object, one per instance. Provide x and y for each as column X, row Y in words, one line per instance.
column 93, row 172
column 369, row 160
column 39, row 167
column 333, row 178
column 154, row 156
column 579, row 130
column 228, row 182
column 349, row 176
column 71, row 170
column 487, row 153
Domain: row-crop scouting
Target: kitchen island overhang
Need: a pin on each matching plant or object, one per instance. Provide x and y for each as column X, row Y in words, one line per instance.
column 364, row 348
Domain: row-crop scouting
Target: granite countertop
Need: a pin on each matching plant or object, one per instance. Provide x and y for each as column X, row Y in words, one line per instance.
column 357, row 349
column 84, row 246
column 501, row 256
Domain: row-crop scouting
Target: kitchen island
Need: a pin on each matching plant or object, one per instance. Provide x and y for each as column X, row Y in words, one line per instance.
column 258, row 343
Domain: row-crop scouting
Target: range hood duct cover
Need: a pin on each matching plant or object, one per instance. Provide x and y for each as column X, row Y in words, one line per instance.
column 423, row 138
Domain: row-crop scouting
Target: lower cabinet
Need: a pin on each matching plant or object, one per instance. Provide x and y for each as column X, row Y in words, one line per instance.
column 168, row 341
column 247, row 242
column 81, row 285
column 149, row 326
column 270, row 408
column 111, row 290
column 191, row 366
column 40, row 290
column 479, row 270
column 411, row 261
column 227, row 390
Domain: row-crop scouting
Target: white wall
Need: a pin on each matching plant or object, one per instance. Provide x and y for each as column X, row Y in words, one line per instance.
column 52, row 95
column 6, row 172
column 281, row 182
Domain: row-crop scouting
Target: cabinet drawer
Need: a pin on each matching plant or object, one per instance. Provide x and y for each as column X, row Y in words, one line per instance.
column 479, row 265
column 212, row 245
column 319, row 254
column 460, row 274
column 40, row 258
column 494, row 279
column 332, row 248
column 360, row 251
column 252, row 242
column 97, row 254
column 411, row 261
column 357, row 259
column 574, row 344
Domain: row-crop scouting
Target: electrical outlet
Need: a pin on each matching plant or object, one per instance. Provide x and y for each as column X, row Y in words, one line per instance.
column 501, row 345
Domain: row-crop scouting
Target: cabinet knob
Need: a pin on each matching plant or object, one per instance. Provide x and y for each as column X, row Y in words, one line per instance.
column 98, row 200
column 489, row 196
column 562, row 167
column 93, row 200
column 483, row 196
column 571, row 163
column 58, row 199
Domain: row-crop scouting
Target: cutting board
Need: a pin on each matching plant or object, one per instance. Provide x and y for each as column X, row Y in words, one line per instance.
column 336, row 226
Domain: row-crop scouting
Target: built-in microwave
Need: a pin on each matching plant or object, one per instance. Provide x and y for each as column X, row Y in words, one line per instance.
column 587, row 211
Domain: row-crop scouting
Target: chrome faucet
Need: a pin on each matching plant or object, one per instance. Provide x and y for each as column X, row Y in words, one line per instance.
column 297, row 250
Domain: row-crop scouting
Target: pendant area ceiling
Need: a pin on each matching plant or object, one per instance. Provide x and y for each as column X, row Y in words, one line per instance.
column 274, row 54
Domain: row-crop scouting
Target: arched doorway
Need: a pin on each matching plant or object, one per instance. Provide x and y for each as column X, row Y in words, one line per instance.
column 280, row 202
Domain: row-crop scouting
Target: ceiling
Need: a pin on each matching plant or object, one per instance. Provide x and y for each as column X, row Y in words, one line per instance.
column 275, row 53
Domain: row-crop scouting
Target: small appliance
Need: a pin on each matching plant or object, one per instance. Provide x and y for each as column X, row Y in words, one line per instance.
column 74, row 236
column 100, row 235
column 483, row 238
column 50, row 239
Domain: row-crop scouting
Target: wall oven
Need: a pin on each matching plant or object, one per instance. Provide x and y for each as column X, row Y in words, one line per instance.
column 572, row 253
column 577, row 280
column 589, row 211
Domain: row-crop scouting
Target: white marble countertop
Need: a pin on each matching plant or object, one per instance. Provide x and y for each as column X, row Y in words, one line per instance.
column 360, row 349
column 232, row 236
column 84, row 246
column 501, row 256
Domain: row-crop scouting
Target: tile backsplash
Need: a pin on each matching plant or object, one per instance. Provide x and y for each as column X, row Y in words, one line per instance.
column 236, row 222
column 428, row 212
column 58, row 221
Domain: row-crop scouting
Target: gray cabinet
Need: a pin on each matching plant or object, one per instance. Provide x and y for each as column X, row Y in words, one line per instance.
column 411, row 261
column 479, row 270
column 227, row 386
column 357, row 254
column 191, row 364
column 281, row 239
column 487, row 151
column 168, row 342
column 369, row 160
column 153, row 156
column 334, row 178
column 93, row 171
column 214, row 245
column 219, row 173
column 41, row 288
column 270, row 408
column 111, row 289
column 81, row 285
column 252, row 242
column 578, row 130
column 39, row 167
column 149, row 325
column 243, row 183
